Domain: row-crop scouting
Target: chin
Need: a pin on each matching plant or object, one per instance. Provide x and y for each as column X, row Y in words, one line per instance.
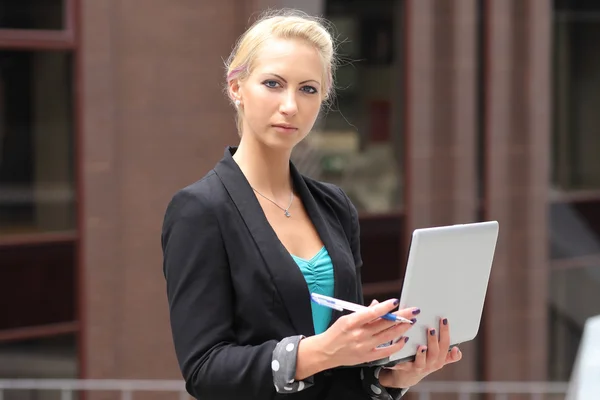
column 282, row 142
column 283, row 145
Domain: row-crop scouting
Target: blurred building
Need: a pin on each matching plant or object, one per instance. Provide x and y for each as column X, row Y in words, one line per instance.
column 449, row 111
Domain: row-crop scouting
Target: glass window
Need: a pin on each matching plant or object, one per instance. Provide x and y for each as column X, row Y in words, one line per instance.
column 357, row 144
column 38, row 281
column 574, row 292
column 49, row 358
column 32, row 14
column 576, row 142
column 36, row 142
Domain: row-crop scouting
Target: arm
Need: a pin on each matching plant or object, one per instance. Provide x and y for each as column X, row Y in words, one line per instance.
column 369, row 375
column 200, row 298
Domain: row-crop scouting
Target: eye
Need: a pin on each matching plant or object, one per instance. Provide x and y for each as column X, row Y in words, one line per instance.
column 309, row 89
column 271, row 84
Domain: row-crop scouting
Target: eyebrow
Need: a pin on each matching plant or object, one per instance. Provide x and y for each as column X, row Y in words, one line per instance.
column 301, row 83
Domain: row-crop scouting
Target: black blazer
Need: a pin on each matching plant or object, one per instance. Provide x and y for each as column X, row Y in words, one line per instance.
column 234, row 291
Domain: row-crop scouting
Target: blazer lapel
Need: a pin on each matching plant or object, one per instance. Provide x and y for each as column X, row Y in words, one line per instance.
column 286, row 275
column 343, row 264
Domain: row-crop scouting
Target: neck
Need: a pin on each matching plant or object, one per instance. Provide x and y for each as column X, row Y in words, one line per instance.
column 267, row 170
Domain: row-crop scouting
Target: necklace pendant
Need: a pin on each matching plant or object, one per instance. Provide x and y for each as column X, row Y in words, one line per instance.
column 287, row 213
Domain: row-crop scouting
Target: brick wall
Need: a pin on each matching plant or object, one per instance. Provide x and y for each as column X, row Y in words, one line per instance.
column 155, row 120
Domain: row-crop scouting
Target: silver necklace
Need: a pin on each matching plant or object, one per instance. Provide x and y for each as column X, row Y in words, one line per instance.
column 285, row 210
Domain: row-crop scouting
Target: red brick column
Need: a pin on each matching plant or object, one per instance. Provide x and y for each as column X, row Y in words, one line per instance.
column 155, row 119
column 516, row 186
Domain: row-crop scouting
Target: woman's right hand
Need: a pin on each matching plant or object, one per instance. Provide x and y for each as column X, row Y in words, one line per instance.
column 354, row 339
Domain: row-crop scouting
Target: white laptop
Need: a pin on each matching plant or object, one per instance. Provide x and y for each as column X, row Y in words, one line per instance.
column 446, row 276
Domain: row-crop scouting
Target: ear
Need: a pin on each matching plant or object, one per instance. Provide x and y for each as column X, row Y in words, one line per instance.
column 235, row 90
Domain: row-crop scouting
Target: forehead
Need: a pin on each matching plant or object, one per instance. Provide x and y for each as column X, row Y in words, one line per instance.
column 289, row 58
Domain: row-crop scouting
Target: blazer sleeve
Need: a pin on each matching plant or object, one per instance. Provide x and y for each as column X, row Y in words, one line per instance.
column 200, row 297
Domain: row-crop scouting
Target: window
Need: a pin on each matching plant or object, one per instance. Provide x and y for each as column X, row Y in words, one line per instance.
column 38, row 235
column 577, row 95
column 357, row 144
column 32, row 14
column 53, row 357
column 36, row 154
column 574, row 293
column 38, row 281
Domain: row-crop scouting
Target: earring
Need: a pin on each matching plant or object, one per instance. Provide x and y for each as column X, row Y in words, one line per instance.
column 237, row 102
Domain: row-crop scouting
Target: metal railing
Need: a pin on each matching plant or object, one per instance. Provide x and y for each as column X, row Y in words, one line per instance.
column 424, row 391
column 499, row 390
column 68, row 387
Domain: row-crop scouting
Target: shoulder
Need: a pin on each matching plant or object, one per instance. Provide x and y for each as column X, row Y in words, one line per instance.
column 194, row 201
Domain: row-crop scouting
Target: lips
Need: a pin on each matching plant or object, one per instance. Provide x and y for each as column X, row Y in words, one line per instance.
column 284, row 126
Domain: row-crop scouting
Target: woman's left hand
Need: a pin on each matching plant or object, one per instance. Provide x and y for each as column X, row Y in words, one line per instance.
column 429, row 359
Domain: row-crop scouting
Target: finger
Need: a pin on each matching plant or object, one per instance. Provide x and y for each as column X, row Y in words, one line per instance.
column 380, row 324
column 382, row 352
column 374, row 302
column 458, row 354
column 421, row 358
column 433, row 350
column 444, row 337
column 394, row 333
column 453, row 356
column 362, row 317
column 408, row 313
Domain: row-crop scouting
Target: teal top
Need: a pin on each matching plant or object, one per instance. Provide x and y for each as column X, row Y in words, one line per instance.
column 318, row 273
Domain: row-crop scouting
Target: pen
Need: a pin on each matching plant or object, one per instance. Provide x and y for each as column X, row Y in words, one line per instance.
column 341, row 305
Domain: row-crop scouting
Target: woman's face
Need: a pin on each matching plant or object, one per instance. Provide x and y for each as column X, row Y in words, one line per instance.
column 281, row 98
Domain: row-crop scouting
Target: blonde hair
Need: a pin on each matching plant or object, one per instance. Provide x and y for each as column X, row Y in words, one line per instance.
column 283, row 24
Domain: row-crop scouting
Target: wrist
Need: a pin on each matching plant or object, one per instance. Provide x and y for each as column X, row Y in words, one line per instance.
column 311, row 359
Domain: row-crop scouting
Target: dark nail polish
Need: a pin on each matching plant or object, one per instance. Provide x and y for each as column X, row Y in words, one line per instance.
column 405, row 339
column 413, row 320
column 396, row 302
column 445, row 321
column 432, row 332
column 423, row 350
column 416, row 312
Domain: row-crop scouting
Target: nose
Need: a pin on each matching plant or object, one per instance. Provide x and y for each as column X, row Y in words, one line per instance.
column 289, row 106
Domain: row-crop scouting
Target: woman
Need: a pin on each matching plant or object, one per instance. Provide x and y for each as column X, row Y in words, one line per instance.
column 246, row 245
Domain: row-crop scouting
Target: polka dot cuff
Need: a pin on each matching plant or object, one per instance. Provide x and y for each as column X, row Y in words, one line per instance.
column 370, row 382
column 283, row 365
